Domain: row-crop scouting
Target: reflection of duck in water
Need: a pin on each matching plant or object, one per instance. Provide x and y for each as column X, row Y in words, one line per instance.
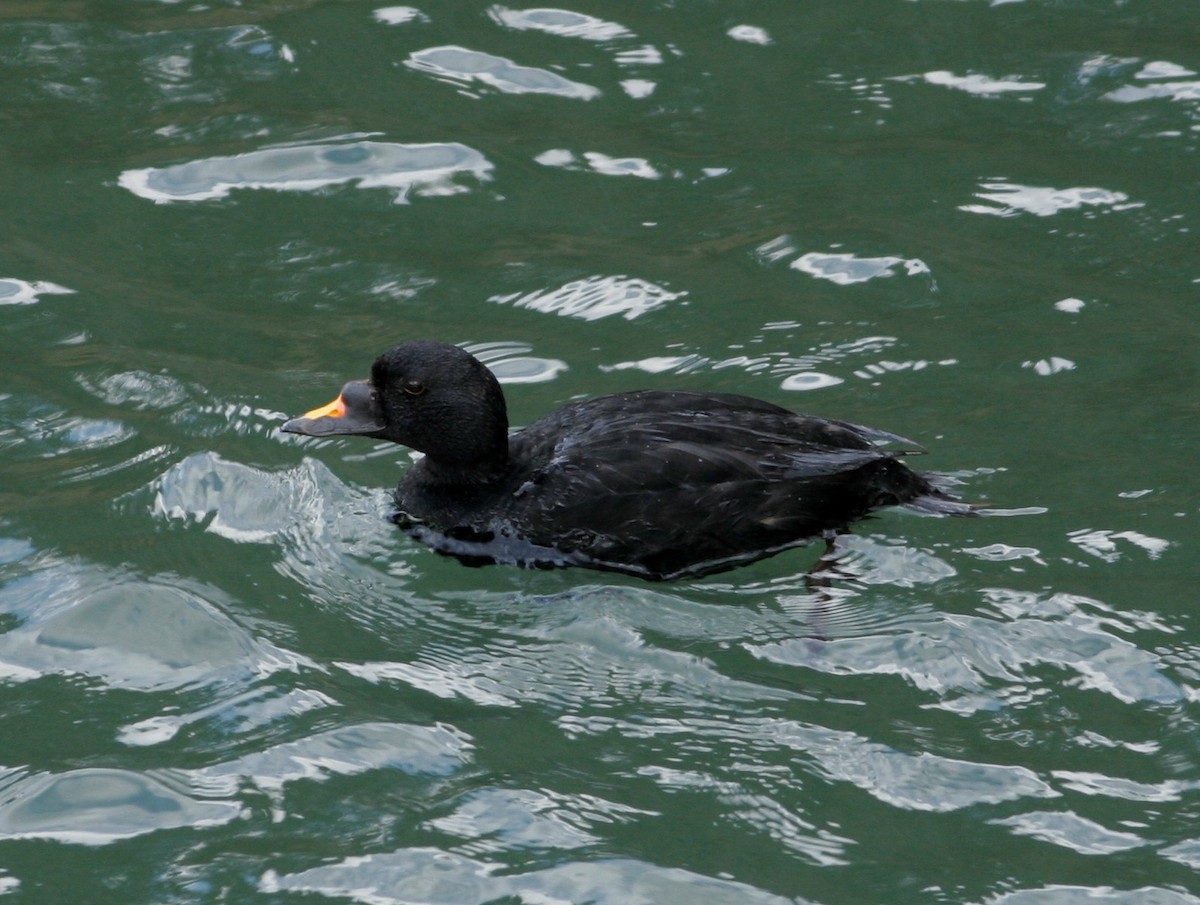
column 652, row 483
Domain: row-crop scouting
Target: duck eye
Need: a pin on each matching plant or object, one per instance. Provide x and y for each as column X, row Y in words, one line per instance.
column 413, row 387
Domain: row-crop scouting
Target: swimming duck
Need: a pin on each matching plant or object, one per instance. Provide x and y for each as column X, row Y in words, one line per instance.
column 659, row 484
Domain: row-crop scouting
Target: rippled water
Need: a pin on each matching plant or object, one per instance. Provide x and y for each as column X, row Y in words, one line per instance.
column 225, row 677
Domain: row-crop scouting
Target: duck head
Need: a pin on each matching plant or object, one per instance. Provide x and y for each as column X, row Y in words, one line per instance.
column 432, row 397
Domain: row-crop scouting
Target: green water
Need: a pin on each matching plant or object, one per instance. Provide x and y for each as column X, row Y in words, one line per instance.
column 224, row 677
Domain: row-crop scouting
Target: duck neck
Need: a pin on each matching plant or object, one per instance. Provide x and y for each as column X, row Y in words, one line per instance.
column 465, row 441
column 468, row 475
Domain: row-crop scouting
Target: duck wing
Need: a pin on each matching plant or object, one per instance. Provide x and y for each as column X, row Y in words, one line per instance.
column 669, row 483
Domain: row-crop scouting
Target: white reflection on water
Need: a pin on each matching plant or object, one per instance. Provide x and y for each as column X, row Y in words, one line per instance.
column 1093, row 895
column 511, row 363
column 426, row 169
column 1071, row 831
column 594, row 298
column 1008, row 199
column 915, row 782
column 638, row 88
column 809, row 380
column 459, row 65
column 19, row 292
column 245, row 504
column 399, row 15
column 661, row 364
column 434, row 877
column 1001, row 552
column 1176, row 91
column 977, row 84
column 845, row 269
column 253, row 709
column 751, row 34
column 561, row 22
column 600, row 163
column 964, row 656
column 143, row 635
column 497, row 819
column 1127, row 789
column 621, row 166
column 766, row 761
column 345, row 750
column 1044, row 367
column 800, row 372
column 1101, row 543
column 920, row 782
column 96, row 806
column 640, row 56
column 1162, row 69
column 599, row 660
column 32, row 429
column 139, row 390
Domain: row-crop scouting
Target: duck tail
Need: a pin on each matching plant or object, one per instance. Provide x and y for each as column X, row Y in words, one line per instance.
column 936, row 499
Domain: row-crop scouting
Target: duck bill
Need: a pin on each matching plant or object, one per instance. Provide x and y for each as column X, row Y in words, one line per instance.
column 354, row 412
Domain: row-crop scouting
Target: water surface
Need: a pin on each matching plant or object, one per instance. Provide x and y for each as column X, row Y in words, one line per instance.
column 224, row 676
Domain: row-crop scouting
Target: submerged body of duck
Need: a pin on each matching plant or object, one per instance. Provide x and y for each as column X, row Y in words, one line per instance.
column 652, row 483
